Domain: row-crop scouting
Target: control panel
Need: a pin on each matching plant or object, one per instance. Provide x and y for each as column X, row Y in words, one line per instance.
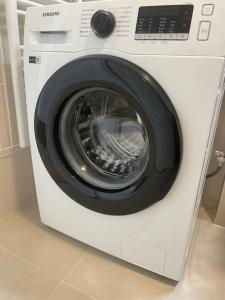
column 170, row 22
column 139, row 27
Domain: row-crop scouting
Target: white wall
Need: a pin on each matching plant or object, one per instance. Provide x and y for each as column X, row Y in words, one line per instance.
column 16, row 176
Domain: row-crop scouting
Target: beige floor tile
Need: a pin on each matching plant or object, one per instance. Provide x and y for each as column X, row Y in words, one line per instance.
column 21, row 281
column 8, row 187
column 105, row 277
column 23, row 234
column 108, row 278
column 99, row 275
column 204, row 278
column 207, row 213
column 65, row 292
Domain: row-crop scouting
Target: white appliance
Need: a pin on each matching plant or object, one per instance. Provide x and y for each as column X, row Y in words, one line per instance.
column 123, row 100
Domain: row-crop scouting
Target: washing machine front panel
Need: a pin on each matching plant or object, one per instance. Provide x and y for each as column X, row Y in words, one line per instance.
column 108, row 135
column 157, row 237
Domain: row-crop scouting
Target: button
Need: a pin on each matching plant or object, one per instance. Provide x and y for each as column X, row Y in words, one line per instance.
column 182, row 36
column 204, row 30
column 171, row 36
column 207, row 9
column 145, row 36
column 160, row 36
column 150, row 36
column 137, row 36
column 142, row 36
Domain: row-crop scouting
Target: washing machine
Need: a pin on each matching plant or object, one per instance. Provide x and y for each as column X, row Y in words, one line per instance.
column 123, row 99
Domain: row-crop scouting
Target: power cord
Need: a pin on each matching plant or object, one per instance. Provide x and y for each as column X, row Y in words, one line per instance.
column 220, row 157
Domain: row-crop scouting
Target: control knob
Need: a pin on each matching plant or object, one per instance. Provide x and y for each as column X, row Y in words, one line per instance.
column 103, row 23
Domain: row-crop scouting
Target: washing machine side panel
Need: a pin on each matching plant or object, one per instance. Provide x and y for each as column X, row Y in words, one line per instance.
column 194, row 94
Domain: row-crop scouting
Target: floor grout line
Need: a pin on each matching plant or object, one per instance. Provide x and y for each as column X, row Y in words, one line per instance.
column 67, row 275
column 74, row 265
column 53, row 290
column 80, row 291
column 37, row 266
column 41, row 269
column 68, row 284
column 30, row 263
column 34, row 266
column 9, row 252
column 61, row 280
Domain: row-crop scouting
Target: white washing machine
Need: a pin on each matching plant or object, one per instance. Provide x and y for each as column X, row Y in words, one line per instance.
column 123, row 100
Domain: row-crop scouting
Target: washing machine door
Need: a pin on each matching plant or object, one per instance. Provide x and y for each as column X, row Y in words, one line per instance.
column 108, row 135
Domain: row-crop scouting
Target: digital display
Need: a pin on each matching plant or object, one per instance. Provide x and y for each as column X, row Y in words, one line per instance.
column 171, row 22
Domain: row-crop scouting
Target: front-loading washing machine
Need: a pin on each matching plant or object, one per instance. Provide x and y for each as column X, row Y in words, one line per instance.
column 123, row 100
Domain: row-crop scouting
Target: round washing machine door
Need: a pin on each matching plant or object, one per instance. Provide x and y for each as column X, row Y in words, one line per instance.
column 108, row 135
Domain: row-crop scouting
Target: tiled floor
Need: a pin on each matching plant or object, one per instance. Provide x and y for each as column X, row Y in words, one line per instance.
column 38, row 263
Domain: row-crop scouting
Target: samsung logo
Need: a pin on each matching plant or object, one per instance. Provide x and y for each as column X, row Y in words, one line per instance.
column 50, row 14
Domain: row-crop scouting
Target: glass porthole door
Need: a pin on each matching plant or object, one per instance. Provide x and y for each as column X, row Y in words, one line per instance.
column 103, row 139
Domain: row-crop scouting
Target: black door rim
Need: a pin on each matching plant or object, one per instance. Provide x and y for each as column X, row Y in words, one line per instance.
column 151, row 103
